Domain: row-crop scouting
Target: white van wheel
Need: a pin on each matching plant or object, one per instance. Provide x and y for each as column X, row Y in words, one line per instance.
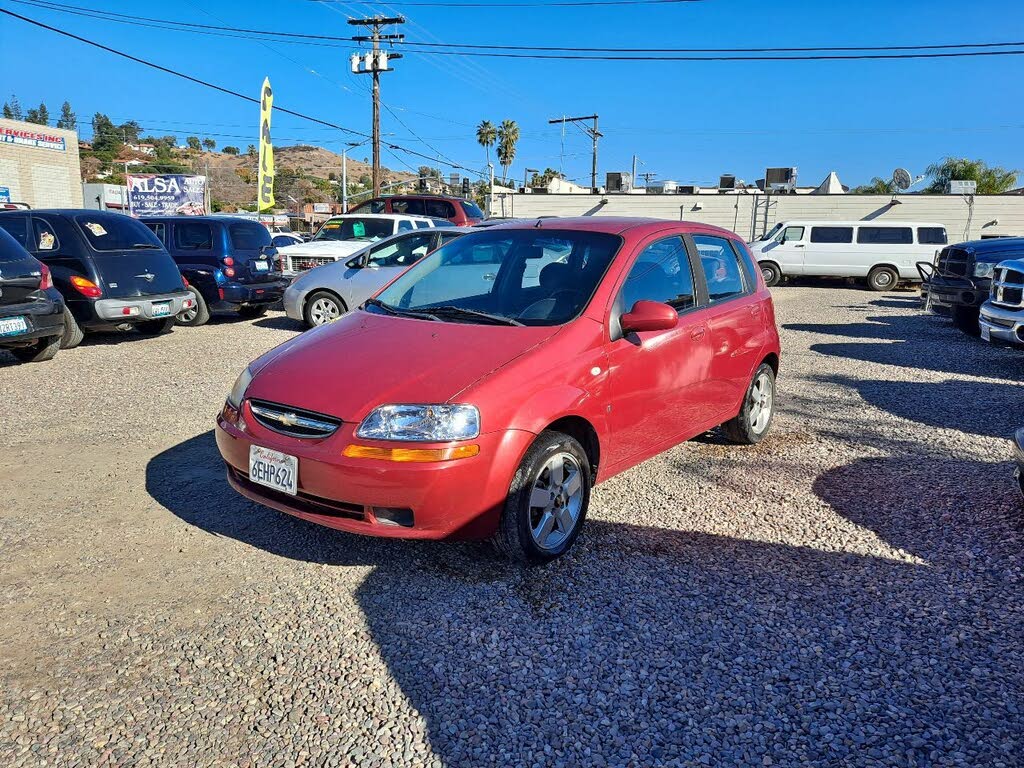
column 883, row 279
column 771, row 273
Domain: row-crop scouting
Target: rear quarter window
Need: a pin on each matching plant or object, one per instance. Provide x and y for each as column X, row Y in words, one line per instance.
column 931, row 235
column 885, row 235
column 439, row 209
column 471, row 210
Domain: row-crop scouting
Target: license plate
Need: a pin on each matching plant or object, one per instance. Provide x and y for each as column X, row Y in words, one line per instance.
column 261, row 266
column 986, row 333
column 273, row 469
column 161, row 309
column 12, row 326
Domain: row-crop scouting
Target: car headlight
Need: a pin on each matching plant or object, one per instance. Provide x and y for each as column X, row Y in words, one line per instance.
column 238, row 391
column 984, row 268
column 423, row 423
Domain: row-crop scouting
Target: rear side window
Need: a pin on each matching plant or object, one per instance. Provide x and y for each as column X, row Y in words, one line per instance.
column 831, row 234
column 44, row 237
column 412, row 207
column 405, row 225
column 472, row 210
column 885, row 235
column 439, row 209
column 193, row 236
column 931, row 235
column 248, row 236
column 722, row 271
column 159, row 229
column 16, row 227
column 661, row 273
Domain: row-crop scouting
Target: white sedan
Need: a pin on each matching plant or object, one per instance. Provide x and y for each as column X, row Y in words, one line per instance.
column 325, row 293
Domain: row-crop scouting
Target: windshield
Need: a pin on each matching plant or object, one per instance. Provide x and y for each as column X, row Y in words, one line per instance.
column 368, row 230
column 114, row 232
column 770, row 233
column 522, row 276
column 246, row 236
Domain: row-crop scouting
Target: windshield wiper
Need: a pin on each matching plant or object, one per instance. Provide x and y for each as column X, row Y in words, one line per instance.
column 400, row 312
column 146, row 245
column 463, row 312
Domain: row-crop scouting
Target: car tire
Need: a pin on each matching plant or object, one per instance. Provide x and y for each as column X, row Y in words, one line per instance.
column 73, row 333
column 156, row 327
column 40, row 351
column 754, row 420
column 556, row 471
column 883, row 279
column 771, row 273
column 251, row 313
column 321, row 308
column 197, row 315
column 966, row 319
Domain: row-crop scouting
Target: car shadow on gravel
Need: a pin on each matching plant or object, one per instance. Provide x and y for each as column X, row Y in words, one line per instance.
column 651, row 646
column 282, row 323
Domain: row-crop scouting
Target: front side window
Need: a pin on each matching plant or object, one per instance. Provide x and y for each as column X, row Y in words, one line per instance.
column 885, row 235
column 402, row 252
column 661, row 273
column 792, row 235
column 249, row 236
column 831, row 234
column 366, row 229
column 722, row 271
column 931, row 235
column 114, row 232
column 521, row 276
column 159, row 229
column 193, row 236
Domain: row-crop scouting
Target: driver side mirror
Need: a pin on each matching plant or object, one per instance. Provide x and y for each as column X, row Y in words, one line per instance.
column 356, row 263
column 649, row 316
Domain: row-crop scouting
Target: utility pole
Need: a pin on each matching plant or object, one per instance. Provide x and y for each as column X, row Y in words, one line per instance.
column 647, row 177
column 594, row 134
column 374, row 62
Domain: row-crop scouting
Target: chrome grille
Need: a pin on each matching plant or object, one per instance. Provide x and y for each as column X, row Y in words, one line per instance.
column 954, row 261
column 1008, row 285
column 303, row 263
column 293, row 422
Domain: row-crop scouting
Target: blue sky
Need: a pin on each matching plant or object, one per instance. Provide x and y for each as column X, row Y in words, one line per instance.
column 687, row 121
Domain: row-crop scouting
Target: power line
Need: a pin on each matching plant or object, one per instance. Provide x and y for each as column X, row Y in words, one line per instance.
column 219, row 88
column 580, row 4
column 816, row 57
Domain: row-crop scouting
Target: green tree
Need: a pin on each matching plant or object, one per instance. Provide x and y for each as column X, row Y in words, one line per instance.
column 130, row 132
column 107, row 139
column 877, row 186
column 543, row 179
column 508, row 136
column 12, row 109
column 252, row 151
column 67, row 119
column 40, row 116
column 230, row 150
column 991, row 179
column 194, row 143
column 486, row 135
column 209, row 144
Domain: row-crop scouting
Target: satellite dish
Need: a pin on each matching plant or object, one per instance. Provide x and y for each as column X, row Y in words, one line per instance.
column 901, row 179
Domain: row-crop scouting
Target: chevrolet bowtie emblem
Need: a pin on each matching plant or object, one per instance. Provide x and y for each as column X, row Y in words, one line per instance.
column 148, row 276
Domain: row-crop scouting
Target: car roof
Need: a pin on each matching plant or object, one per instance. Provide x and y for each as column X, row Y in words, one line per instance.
column 67, row 212
column 858, row 223
column 390, row 216
column 613, row 225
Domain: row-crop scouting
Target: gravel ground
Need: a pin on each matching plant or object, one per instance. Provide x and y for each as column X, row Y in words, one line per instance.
column 846, row 593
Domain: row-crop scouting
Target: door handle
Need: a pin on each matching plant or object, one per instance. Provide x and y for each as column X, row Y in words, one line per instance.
column 755, row 309
column 799, row 245
column 697, row 333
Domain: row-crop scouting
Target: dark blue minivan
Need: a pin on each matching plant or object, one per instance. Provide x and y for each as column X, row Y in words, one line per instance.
column 229, row 264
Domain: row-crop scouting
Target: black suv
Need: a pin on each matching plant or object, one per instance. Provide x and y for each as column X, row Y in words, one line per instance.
column 31, row 309
column 958, row 282
column 228, row 262
column 110, row 269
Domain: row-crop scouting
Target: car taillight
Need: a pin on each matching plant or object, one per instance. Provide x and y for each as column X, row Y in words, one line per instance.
column 228, row 261
column 87, row 288
column 45, row 278
column 229, row 271
column 185, row 281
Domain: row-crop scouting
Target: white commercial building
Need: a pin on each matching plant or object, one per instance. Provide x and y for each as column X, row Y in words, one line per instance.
column 39, row 165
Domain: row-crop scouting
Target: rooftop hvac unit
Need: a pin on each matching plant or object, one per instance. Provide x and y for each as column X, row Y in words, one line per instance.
column 621, row 181
column 961, row 187
column 726, row 182
column 686, row 189
column 780, row 179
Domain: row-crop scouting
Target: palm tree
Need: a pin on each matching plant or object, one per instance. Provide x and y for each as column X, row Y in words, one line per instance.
column 991, row 178
column 508, row 135
column 486, row 135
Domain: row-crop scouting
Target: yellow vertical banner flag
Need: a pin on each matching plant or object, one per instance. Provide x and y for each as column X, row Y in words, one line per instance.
column 265, row 192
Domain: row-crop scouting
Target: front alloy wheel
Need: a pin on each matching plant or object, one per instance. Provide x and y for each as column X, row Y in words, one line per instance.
column 556, row 501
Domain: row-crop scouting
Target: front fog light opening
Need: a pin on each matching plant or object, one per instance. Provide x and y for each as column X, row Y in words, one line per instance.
column 393, row 516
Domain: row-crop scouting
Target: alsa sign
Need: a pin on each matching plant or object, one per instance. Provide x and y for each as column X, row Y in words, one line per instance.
column 166, row 195
column 32, row 139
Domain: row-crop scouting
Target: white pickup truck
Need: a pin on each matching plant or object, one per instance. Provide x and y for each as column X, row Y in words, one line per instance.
column 342, row 236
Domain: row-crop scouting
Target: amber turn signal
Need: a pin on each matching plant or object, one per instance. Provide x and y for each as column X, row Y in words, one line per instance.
column 411, row 454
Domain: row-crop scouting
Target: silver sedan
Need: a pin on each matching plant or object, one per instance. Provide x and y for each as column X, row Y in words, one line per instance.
column 324, row 294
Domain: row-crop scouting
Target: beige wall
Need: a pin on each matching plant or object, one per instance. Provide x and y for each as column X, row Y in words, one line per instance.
column 964, row 218
column 43, row 177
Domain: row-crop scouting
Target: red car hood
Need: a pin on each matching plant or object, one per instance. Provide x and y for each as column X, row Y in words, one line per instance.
column 349, row 367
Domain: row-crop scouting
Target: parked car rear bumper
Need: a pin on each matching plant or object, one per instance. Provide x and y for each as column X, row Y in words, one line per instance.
column 141, row 308
column 235, row 295
column 44, row 317
column 1002, row 325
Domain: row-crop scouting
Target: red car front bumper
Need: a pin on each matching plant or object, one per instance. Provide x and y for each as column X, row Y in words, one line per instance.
column 461, row 498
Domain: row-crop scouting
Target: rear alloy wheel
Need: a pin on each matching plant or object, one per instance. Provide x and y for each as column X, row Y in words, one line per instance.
column 322, row 308
column 547, row 501
column 252, row 312
column 73, row 333
column 755, row 417
column 39, row 351
column 196, row 315
column 883, row 279
column 771, row 273
column 156, row 327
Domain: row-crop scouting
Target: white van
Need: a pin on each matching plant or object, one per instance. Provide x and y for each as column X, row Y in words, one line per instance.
column 883, row 252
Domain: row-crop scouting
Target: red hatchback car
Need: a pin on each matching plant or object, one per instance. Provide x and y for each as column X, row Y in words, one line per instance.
column 460, row 212
column 486, row 389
